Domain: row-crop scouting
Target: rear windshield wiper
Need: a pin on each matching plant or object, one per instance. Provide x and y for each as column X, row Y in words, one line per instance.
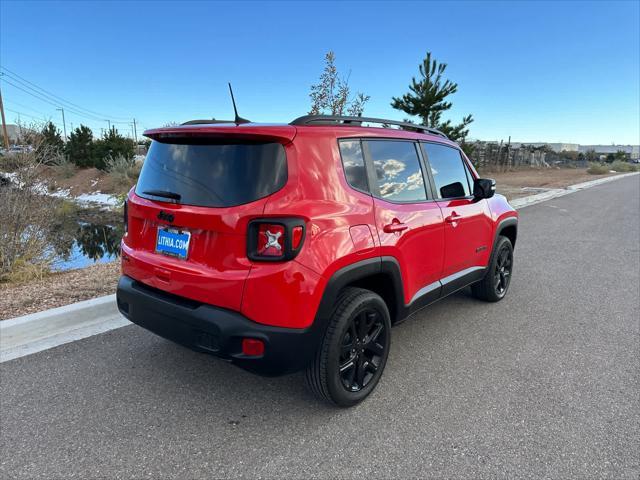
column 163, row 193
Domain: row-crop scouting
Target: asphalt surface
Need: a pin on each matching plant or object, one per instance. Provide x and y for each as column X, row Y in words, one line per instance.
column 542, row 384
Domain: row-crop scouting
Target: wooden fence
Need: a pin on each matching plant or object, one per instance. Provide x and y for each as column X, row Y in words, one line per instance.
column 503, row 156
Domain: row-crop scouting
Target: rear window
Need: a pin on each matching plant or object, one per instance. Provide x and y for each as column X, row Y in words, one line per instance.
column 212, row 175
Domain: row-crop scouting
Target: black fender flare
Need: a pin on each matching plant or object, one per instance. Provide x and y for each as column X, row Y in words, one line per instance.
column 504, row 223
column 349, row 274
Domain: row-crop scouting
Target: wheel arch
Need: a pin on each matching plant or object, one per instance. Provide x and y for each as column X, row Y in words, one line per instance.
column 380, row 275
column 507, row 227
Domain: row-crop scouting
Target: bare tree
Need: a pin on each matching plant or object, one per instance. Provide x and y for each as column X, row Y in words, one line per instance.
column 331, row 95
column 25, row 217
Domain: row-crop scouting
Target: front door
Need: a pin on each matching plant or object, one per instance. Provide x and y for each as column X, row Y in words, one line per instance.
column 467, row 222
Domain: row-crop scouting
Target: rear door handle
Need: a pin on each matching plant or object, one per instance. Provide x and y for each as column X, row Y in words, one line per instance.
column 395, row 227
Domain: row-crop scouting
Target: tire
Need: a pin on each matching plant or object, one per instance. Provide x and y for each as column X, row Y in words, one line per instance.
column 495, row 284
column 358, row 334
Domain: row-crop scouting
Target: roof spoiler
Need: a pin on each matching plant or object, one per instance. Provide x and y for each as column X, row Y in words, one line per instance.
column 217, row 131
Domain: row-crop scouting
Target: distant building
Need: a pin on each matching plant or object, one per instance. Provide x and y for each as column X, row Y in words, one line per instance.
column 632, row 150
column 12, row 132
column 603, row 150
column 556, row 147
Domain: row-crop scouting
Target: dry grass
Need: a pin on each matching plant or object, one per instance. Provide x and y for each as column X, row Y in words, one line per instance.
column 25, row 217
column 58, row 289
column 511, row 183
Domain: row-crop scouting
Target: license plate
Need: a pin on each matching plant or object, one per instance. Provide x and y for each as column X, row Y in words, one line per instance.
column 173, row 242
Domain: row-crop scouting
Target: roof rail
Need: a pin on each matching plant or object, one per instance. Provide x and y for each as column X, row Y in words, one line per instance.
column 346, row 120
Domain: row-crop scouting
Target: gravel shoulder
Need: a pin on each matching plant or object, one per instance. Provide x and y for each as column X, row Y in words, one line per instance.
column 58, row 289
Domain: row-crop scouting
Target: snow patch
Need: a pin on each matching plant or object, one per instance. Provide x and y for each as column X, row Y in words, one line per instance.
column 87, row 199
column 103, row 199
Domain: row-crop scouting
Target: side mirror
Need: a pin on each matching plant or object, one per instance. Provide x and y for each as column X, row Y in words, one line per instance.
column 484, row 188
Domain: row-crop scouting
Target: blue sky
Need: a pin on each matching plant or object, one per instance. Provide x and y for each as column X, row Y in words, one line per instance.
column 538, row 71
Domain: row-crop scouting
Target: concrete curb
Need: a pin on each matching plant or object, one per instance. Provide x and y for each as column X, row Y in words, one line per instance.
column 39, row 331
column 522, row 202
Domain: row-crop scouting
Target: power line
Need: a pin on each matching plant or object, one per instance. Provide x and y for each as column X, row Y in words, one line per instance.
column 23, row 80
column 46, row 100
column 22, row 105
column 42, row 119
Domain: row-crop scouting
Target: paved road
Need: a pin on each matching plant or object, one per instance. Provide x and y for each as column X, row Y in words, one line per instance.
column 543, row 384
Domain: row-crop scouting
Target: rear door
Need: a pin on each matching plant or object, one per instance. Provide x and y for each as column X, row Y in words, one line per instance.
column 467, row 222
column 189, row 214
column 408, row 222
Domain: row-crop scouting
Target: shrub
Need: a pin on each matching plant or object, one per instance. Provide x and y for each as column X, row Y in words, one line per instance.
column 123, row 171
column 64, row 166
column 622, row 166
column 598, row 168
column 25, row 218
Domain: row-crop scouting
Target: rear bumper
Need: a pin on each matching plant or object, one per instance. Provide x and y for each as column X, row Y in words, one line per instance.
column 214, row 330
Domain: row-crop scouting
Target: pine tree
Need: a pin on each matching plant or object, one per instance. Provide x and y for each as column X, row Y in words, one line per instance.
column 427, row 99
column 52, row 138
column 80, row 148
column 112, row 144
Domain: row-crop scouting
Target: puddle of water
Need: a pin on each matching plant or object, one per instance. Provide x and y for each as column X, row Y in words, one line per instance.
column 90, row 243
column 83, row 237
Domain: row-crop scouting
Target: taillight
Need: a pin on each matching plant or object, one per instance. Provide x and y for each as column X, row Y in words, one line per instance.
column 270, row 240
column 274, row 239
column 296, row 237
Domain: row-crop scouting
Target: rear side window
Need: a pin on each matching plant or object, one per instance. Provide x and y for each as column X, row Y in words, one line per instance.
column 448, row 171
column 397, row 171
column 220, row 175
column 353, row 163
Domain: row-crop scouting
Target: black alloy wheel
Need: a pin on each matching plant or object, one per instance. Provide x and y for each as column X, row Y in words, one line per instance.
column 494, row 285
column 351, row 359
column 362, row 350
column 502, row 273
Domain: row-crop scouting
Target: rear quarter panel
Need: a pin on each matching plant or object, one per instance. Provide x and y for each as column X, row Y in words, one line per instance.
column 318, row 192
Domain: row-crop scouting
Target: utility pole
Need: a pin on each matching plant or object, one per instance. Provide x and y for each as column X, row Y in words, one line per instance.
column 64, row 123
column 109, row 122
column 135, row 132
column 4, row 124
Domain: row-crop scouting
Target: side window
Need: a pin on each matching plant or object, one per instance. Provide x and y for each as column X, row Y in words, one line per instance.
column 397, row 170
column 449, row 173
column 353, row 163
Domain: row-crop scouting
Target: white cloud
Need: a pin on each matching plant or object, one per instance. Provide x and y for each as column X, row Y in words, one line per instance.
column 393, row 167
column 392, row 188
column 415, row 181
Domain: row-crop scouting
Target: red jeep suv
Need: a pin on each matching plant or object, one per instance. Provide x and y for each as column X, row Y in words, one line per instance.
column 296, row 247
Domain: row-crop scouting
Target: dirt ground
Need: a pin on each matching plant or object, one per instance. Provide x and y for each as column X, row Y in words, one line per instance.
column 85, row 180
column 58, row 289
column 526, row 181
